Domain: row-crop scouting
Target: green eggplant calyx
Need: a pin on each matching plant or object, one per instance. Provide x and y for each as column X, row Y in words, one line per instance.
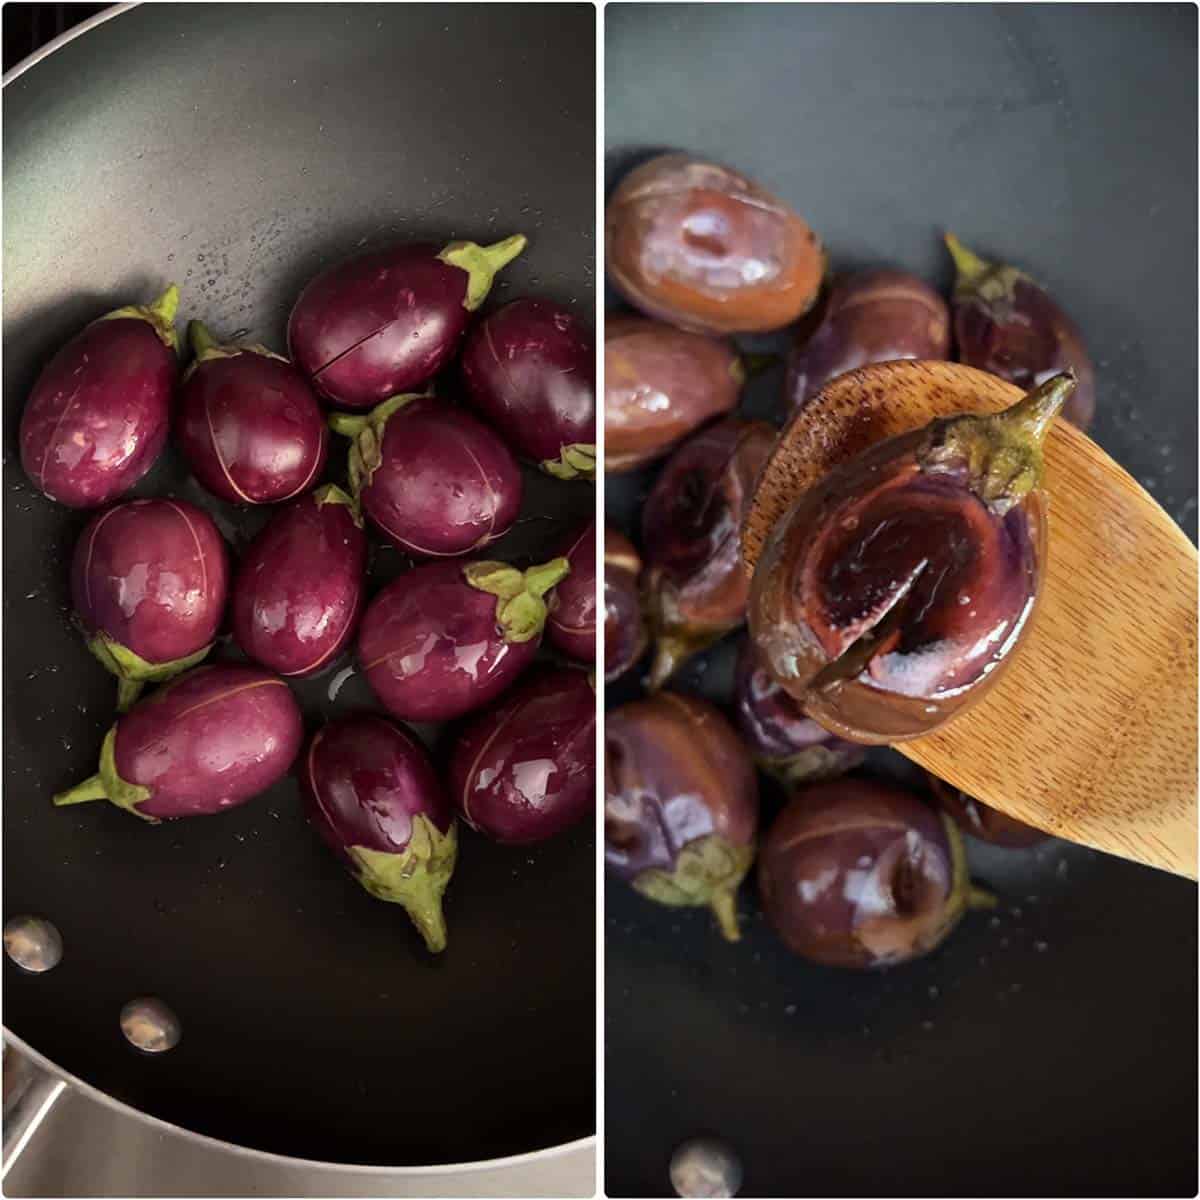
column 482, row 264
column 205, row 348
column 330, row 493
column 106, row 784
column 159, row 313
column 520, row 605
column 1002, row 453
column 976, row 278
column 133, row 671
column 365, row 431
column 707, row 873
column 576, row 461
column 415, row 877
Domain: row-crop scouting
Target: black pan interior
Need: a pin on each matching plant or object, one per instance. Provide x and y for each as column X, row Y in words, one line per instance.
column 237, row 148
column 1049, row 1049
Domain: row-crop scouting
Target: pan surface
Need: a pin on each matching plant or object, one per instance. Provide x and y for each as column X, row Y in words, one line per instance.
column 236, row 149
column 1049, row 1049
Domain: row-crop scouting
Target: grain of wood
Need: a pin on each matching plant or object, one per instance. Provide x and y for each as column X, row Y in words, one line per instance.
column 1091, row 732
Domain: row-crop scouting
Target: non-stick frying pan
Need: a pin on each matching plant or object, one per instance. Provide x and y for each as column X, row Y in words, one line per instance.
column 236, row 149
column 1050, row 1049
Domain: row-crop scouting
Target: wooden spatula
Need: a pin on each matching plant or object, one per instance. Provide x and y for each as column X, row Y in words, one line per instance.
column 1091, row 733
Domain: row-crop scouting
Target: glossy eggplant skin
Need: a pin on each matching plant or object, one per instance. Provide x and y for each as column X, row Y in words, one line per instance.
column 298, row 592
column 435, row 480
column 896, row 589
column 149, row 579
column 209, row 740
column 1009, row 325
column 250, row 426
column 660, row 384
column 859, row 873
column 530, row 370
column 869, row 317
column 571, row 626
column 525, row 770
column 97, row 418
column 783, row 741
column 372, row 794
column 706, row 249
column 625, row 633
column 695, row 585
column 433, row 646
column 681, row 803
column 383, row 323
column 980, row 821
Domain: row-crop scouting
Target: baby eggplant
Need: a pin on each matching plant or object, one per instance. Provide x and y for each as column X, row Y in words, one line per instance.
column 894, row 591
column 695, row 584
column 446, row 638
column 249, row 424
column 530, row 369
column 857, row 873
column 660, row 384
column 707, row 249
column 209, row 740
column 870, row 317
column 148, row 584
column 526, row 769
column 625, row 635
column 299, row 589
column 383, row 323
column 97, row 417
column 680, row 804
column 980, row 821
column 784, row 742
column 571, row 627
column 432, row 478
column 1006, row 323
column 372, row 794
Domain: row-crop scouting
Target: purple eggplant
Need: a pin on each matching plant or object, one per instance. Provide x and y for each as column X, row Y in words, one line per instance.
column 372, row 794
column 432, row 478
column 209, row 740
column 625, row 633
column 381, row 324
column 447, row 638
column 784, row 742
column 97, row 417
column 299, row 588
column 148, row 583
column 660, row 384
column 705, row 248
column 1007, row 324
column 530, row 369
column 695, row 585
column 249, row 424
column 858, row 873
column 571, row 627
column 980, row 821
column 526, row 769
column 869, row 317
column 896, row 589
column 680, row 804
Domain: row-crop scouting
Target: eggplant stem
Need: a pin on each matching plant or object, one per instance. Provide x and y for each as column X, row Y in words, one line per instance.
column 90, row 789
column 1031, row 417
column 978, row 897
column 200, row 338
column 348, row 424
column 430, row 922
column 669, row 656
column 128, row 690
column 970, row 267
column 724, row 908
column 500, row 254
column 166, row 307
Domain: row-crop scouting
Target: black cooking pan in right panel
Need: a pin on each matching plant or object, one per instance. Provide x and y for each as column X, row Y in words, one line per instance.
column 1048, row 1046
